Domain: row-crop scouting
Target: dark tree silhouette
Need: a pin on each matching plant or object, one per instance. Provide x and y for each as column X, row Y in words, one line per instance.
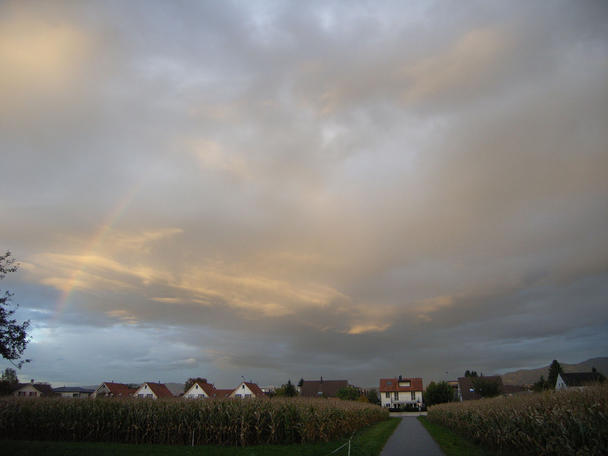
column 13, row 336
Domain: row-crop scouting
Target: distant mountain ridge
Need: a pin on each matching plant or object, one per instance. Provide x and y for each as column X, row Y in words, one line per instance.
column 529, row 376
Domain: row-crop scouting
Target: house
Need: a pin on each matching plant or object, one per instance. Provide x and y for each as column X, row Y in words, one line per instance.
column 577, row 380
column 223, row 393
column 73, row 392
column 246, row 390
column 200, row 389
column 150, row 390
column 395, row 392
column 111, row 389
column 33, row 389
column 322, row 388
column 466, row 389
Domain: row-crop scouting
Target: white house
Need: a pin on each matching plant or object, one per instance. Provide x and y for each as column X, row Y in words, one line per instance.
column 111, row 389
column 33, row 390
column 395, row 392
column 200, row 390
column 246, row 390
column 73, row 392
column 577, row 380
column 150, row 390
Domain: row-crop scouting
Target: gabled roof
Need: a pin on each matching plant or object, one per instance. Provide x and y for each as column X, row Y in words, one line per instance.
column 119, row 389
column 43, row 388
column 467, row 391
column 160, row 389
column 392, row 384
column 581, row 378
column 255, row 389
column 72, row 389
column 208, row 388
column 223, row 392
column 327, row 388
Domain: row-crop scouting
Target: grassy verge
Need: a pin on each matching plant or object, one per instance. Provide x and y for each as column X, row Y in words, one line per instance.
column 452, row 444
column 369, row 442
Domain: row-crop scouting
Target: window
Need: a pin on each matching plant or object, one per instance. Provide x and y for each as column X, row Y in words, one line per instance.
column 32, row 393
column 148, row 395
column 140, row 395
column 21, row 393
column 396, row 395
column 242, row 386
column 196, row 386
column 413, row 395
column 247, row 395
column 75, row 395
column 388, row 395
column 237, row 395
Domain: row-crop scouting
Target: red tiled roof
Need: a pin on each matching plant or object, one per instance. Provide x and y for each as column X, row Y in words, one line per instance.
column 223, row 392
column 160, row 389
column 392, row 384
column 208, row 388
column 327, row 388
column 255, row 389
column 119, row 389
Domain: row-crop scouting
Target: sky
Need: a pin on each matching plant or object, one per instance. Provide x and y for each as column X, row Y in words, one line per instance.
column 280, row 190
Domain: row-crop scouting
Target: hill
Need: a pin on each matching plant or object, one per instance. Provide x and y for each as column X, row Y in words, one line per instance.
column 529, row 376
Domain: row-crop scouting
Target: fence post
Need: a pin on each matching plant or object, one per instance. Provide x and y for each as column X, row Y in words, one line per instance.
column 348, row 447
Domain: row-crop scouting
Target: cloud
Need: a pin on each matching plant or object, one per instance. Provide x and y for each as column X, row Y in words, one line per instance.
column 287, row 190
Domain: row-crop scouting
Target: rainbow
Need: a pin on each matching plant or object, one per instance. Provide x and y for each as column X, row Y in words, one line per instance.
column 94, row 244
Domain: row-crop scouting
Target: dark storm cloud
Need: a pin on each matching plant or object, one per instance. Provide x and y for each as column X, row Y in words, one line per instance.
column 290, row 190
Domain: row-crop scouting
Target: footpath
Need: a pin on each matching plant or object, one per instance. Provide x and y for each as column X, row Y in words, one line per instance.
column 410, row 438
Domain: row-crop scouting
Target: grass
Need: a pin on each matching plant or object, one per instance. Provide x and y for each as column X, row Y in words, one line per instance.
column 368, row 442
column 452, row 444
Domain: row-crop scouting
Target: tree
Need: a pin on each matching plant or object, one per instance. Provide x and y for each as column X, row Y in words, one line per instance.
column 372, row 396
column 8, row 381
column 438, row 393
column 300, row 383
column 349, row 393
column 554, row 370
column 486, row 387
column 13, row 336
column 286, row 390
column 469, row 373
column 541, row 384
column 191, row 382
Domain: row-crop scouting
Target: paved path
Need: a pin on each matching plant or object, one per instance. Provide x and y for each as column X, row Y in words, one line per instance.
column 410, row 438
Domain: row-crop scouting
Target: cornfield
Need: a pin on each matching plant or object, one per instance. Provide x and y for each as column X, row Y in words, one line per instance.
column 185, row 422
column 569, row 422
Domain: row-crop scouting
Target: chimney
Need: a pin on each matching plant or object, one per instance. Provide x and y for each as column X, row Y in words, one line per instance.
column 321, row 379
column 400, row 378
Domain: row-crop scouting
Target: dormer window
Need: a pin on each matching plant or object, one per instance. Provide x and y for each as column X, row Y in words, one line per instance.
column 242, row 386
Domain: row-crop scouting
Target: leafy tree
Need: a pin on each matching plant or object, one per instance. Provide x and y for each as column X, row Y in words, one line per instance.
column 191, row 382
column 486, row 387
column 600, row 376
column 437, row 393
column 13, row 336
column 8, row 381
column 469, row 373
column 286, row 390
column 554, row 370
column 541, row 384
column 372, row 396
column 300, row 383
column 349, row 393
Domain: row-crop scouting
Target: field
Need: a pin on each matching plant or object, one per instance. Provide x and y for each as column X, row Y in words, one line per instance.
column 552, row 423
column 185, row 422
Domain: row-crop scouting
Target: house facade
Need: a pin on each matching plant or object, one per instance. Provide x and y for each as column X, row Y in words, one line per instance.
column 578, row 380
column 33, row 390
column 200, row 390
column 150, row 390
column 74, row 392
column 247, row 390
column 396, row 392
column 111, row 389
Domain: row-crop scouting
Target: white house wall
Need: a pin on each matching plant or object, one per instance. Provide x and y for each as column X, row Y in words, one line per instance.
column 27, row 391
column 145, row 392
column 402, row 397
column 242, row 391
column 196, row 392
